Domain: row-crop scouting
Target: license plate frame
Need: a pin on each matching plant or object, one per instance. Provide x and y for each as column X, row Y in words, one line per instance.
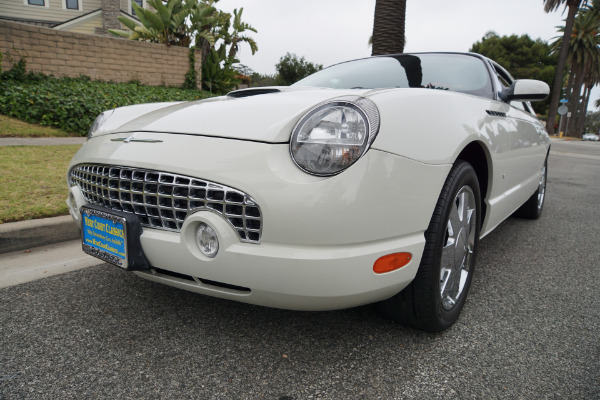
column 104, row 236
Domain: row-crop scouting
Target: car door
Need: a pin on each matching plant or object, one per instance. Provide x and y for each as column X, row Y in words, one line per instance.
column 521, row 150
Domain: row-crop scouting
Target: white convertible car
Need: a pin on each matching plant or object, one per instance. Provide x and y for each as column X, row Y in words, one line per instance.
column 370, row 181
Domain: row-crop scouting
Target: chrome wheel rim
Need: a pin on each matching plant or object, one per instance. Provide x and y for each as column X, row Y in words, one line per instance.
column 458, row 246
column 542, row 189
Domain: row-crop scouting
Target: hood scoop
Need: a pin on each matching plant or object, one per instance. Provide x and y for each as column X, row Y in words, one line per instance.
column 252, row 92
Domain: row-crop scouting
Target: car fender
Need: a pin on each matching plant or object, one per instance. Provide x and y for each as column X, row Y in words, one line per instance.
column 433, row 126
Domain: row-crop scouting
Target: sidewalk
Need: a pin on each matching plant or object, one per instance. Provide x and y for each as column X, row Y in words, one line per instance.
column 46, row 141
column 41, row 262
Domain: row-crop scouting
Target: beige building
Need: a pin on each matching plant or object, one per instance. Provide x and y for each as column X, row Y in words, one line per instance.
column 81, row 16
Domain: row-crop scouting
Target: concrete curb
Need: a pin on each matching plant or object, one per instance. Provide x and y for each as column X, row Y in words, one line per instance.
column 23, row 235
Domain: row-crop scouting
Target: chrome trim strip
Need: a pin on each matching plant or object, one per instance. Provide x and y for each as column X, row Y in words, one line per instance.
column 131, row 139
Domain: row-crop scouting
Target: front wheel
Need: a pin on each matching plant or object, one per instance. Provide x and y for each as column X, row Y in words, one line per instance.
column 434, row 299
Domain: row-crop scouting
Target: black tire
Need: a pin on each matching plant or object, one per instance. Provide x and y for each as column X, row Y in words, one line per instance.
column 532, row 208
column 425, row 303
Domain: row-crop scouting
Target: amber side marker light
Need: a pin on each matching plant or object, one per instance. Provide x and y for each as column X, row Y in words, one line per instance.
column 391, row 262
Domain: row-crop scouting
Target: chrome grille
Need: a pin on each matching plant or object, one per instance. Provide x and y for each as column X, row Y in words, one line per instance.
column 163, row 200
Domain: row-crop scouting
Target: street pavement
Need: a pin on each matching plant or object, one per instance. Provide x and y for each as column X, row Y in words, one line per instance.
column 530, row 328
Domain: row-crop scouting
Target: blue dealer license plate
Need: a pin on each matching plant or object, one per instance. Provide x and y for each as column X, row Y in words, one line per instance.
column 104, row 236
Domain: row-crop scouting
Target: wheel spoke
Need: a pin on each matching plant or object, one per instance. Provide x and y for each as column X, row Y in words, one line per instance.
column 470, row 215
column 462, row 207
column 463, row 279
column 446, row 272
column 542, row 188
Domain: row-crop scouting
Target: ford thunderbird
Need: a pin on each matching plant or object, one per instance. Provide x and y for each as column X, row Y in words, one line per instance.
column 370, row 181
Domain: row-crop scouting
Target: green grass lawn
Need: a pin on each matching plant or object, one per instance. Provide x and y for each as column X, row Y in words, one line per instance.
column 33, row 178
column 33, row 181
column 12, row 127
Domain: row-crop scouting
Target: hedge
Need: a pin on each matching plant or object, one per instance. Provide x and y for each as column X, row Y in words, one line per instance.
column 72, row 104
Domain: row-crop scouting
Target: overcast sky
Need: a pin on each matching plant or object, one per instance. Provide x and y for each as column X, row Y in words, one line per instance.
column 330, row 31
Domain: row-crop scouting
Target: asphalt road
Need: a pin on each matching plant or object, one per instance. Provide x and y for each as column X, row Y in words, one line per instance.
column 530, row 328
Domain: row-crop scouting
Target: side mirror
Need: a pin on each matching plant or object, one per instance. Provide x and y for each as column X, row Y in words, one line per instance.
column 525, row 90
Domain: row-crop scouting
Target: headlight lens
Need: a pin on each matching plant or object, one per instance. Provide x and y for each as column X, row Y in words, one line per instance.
column 334, row 135
column 98, row 122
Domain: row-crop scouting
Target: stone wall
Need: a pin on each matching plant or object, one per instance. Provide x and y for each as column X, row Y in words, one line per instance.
column 101, row 58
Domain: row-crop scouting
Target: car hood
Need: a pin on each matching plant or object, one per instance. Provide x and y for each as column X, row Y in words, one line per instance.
column 261, row 114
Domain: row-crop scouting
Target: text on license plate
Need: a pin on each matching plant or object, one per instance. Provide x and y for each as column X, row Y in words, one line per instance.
column 104, row 236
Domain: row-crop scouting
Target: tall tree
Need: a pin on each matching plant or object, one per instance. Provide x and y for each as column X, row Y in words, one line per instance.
column 584, row 61
column 291, row 69
column 593, row 77
column 524, row 57
column 388, row 27
column 549, row 6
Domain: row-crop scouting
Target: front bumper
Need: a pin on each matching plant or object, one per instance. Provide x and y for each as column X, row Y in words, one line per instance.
column 321, row 236
column 276, row 275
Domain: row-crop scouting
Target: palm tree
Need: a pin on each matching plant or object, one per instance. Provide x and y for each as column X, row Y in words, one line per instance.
column 236, row 37
column 164, row 25
column 549, row 6
column 388, row 27
column 583, row 59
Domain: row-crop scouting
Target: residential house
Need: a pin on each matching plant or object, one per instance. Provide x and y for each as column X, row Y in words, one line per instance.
column 81, row 16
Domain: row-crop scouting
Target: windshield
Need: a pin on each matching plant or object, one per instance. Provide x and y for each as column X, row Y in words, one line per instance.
column 456, row 72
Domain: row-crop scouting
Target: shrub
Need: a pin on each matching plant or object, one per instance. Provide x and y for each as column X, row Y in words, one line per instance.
column 291, row 68
column 72, row 104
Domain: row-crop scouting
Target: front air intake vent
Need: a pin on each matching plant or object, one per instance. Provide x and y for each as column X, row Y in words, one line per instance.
column 496, row 113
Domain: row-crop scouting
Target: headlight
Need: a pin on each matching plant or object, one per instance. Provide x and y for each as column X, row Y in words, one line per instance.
column 334, row 135
column 98, row 122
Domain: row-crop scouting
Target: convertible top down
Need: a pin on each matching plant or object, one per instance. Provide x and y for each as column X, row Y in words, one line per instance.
column 370, row 181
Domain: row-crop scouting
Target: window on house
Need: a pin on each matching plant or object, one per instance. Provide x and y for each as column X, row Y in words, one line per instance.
column 36, row 2
column 72, row 4
column 138, row 2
